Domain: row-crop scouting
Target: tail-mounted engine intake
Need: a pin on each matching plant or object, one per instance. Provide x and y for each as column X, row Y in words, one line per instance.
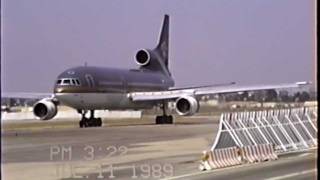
column 186, row 105
column 143, row 57
column 45, row 109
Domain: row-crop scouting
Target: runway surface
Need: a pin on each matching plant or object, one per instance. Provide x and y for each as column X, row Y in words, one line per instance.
column 132, row 152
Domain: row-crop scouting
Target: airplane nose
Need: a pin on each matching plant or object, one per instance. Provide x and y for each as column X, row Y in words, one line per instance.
column 58, row 90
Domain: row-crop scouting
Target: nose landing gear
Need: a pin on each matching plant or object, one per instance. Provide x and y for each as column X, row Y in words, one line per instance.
column 89, row 122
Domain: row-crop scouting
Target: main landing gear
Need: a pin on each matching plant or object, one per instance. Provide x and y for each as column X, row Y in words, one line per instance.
column 164, row 119
column 89, row 122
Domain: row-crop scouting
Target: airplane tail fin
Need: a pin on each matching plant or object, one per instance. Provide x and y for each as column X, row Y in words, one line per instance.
column 158, row 58
column 163, row 42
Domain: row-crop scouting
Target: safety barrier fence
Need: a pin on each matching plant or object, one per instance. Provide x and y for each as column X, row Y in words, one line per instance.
column 226, row 157
column 258, row 153
column 220, row 158
column 262, row 135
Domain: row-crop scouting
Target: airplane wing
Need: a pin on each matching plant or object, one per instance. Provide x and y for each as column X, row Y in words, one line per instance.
column 25, row 95
column 202, row 87
column 174, row 94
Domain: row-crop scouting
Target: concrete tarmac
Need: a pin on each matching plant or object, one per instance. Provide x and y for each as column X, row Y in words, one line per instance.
column 131, row 152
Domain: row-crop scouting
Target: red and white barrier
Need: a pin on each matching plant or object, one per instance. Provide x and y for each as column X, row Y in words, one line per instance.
column 226, row 157
column 258, row 153
column 216, row 156
column 264, row 156
column 247, row 154
column 212, row 161
column 271, row 151
column 220, row 158
column 235, row 155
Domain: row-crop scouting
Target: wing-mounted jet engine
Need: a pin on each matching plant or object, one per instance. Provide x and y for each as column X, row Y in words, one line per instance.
column 187, row 105
column 45, row 109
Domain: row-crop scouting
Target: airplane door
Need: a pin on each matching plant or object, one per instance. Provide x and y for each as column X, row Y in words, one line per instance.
column 89, row 80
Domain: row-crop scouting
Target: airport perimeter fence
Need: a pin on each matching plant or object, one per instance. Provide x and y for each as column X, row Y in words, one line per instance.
column 261, row 135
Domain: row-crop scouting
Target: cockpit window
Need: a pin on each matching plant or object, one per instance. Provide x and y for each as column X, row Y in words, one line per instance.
column 68, row 82
column 74, row 82
column 78, row 82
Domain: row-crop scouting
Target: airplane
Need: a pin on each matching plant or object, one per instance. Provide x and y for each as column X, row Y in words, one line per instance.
column 88, row 88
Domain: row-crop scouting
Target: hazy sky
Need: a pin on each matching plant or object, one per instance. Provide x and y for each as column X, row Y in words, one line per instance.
column 213, row 41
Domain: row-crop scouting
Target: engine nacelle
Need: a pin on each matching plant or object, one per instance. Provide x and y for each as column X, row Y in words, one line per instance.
column 45, row 109
column 143, row 57
column 186, row 105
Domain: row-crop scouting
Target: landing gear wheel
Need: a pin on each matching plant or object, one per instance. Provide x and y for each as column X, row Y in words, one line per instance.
column 164, row 119
column 99, row 122
column 159, row 120
column 95, row 122
column 81, row 124
column 169, row 119
column 89, row 122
